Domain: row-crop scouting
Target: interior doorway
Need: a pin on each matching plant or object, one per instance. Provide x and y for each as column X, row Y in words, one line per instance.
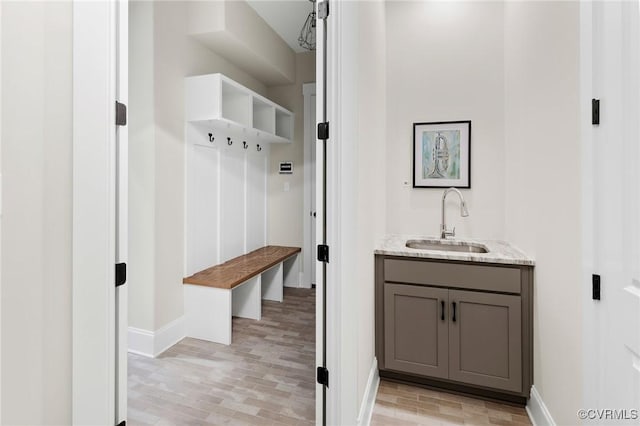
column 211, row 121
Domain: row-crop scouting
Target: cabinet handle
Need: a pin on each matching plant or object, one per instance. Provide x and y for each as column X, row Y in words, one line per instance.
column 442, row 306
column 453, row 304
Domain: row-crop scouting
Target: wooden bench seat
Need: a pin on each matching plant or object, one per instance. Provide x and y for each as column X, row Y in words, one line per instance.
column 242, row 268
column 236, row 288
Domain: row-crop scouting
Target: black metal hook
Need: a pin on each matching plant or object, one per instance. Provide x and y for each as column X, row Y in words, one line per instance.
column 229, row 141
column 244, row 144
column 211, row 138
column 258, row 147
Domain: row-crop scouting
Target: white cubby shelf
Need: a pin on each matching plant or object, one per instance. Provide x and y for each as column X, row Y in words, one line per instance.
column 223, row 104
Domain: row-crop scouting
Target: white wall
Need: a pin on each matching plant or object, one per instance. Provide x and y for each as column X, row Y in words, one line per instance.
column 160, row 45
column 371, row 174
column 543, row 201
column 36, row 218
column 445, row 63
column 141, row 273
column 285, row 208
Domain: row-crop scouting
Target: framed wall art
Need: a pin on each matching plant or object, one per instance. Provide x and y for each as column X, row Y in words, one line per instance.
column 442, row 154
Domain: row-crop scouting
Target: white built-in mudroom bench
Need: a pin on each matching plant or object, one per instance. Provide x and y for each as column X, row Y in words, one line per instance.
column 229, row 268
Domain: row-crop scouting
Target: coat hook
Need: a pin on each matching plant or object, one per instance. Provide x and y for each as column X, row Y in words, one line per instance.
column 211, row 138
column 258, row 147
column 229, row 141
column 244, row 144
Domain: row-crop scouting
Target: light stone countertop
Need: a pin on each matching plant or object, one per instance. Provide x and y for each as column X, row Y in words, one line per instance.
column 499, row 251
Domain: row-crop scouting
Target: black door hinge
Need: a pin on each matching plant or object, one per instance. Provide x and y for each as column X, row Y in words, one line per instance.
column 323, row 131
column 121, row 114
column 122, row 423
column 595, row 112
column 121, row 274
column 323, row 253
column 595, row 287
column 323, row 9
column 323, row 376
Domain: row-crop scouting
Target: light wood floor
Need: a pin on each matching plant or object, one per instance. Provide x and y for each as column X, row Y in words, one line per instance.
column 398, row 404
column 267, row 376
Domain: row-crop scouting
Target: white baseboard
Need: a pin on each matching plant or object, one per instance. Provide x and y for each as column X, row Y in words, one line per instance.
column 151, row 344
column 140, row 341
column 537, row 410
column 369, row 398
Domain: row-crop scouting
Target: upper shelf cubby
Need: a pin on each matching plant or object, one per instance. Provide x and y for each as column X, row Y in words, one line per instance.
column 229, row 106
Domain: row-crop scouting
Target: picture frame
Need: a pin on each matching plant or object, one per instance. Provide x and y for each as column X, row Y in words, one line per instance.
column 442, row 154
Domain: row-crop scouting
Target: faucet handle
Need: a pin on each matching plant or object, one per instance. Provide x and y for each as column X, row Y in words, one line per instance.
column 453, row 232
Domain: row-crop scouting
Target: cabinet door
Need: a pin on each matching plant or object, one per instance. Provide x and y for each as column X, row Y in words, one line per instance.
column 415, row 328
column 485, row 339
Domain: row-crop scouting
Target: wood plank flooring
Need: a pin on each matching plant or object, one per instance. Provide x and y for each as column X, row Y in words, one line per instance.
column 267, row 376
column 398, row 404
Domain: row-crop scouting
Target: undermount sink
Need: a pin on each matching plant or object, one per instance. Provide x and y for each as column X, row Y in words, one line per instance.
column 445, row 245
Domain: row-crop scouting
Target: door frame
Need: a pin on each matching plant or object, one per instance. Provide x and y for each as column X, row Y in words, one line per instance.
column 308, row 90
column 99, row 28
column 0, row 206
column 610, row 324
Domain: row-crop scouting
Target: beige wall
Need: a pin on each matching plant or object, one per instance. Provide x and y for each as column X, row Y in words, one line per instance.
column 285, row 208
column 445, row 63
column 543, row 204
column 36, row 212
column 159, row 44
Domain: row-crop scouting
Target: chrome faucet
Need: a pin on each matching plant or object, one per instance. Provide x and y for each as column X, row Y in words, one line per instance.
column 444, row 232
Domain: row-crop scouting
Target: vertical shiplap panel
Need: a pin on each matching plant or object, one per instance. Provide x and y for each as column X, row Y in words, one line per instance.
column 256, row 197
column 205, row 207
column 232, row 201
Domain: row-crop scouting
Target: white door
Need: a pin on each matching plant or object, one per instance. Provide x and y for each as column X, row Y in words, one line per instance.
column 121, row 210
column 312, row 209
column 99, row 212
column 310, row 146
column 612, row 207
column 310, row 190
column 321, row 293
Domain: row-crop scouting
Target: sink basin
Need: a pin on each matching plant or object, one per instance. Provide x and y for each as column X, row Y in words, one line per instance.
column 444, row 245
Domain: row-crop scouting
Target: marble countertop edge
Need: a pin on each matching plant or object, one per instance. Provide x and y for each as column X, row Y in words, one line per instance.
column 500, row 252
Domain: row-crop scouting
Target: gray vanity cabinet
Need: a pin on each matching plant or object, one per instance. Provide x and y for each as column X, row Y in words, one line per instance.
column 416, row 329
column 485, row 339
column 462, row 326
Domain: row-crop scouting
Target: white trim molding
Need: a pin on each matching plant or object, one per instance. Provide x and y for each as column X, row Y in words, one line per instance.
column 308, row 90
column 537, row 410
column 369, row 397
column 151, row 344
column 94, row 206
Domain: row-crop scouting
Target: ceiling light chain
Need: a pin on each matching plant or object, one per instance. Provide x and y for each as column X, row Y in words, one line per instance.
column 307, row 37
